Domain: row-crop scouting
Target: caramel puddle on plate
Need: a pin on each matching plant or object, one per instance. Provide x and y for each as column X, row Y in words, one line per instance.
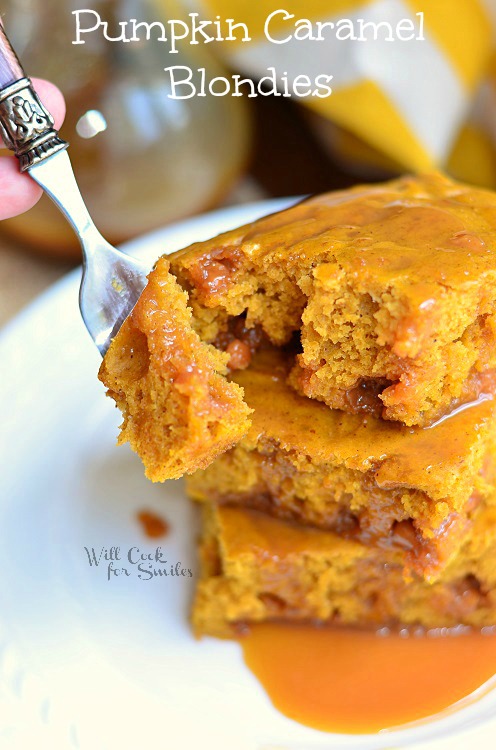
column 153, row 525
column 353, row 681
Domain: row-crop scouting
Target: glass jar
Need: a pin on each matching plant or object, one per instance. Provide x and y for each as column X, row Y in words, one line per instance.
column 141, row 158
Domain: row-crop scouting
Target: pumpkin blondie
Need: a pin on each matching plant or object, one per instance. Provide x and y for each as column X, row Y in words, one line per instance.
column 256, row 568
column 379, row 482
column 180, row 411
column 390, row 288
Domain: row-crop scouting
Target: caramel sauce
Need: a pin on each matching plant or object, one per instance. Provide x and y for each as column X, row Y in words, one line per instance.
column 356, row 440
column 239, row 355
column 240, row 342
column 381, row 232
column 153, row 525
column 213, row 274
column 354, row 681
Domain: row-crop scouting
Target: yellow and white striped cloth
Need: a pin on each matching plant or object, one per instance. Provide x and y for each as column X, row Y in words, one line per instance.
column 415, row 105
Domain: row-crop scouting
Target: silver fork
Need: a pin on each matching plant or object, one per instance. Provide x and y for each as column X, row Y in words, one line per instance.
column 112, row 281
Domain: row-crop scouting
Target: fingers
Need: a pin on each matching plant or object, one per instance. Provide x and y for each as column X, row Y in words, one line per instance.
column 18, row 192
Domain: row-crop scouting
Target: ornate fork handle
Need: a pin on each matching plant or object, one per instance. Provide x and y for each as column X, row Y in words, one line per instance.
column 26, row 127
column 112, row 281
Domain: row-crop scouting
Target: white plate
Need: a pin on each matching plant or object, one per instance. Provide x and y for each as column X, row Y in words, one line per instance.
column 96, row 664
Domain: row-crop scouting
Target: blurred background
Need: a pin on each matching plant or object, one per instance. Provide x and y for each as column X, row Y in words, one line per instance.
column 144, row 160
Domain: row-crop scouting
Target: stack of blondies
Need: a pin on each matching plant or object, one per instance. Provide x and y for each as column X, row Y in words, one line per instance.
column 361, row 327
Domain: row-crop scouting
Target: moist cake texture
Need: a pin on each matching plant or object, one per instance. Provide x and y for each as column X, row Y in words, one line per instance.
column 257, row 568
column 379, row 482
column 390, row 288
column 179, row 410
column 327, row 376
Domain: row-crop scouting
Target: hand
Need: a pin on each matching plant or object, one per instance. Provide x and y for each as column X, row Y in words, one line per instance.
column 18, row 192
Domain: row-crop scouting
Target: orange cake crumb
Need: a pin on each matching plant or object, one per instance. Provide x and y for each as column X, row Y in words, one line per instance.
column 179, row 410
column 391, row 289
column 379, row 482
column 257, row 568
column 327, row 375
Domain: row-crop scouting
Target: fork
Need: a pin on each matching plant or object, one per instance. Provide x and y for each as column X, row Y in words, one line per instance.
column 111, row 281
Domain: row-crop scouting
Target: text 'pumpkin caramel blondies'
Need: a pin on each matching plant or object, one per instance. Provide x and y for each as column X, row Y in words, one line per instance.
column 382, row 483
column 390, row 288
column 256, row 568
